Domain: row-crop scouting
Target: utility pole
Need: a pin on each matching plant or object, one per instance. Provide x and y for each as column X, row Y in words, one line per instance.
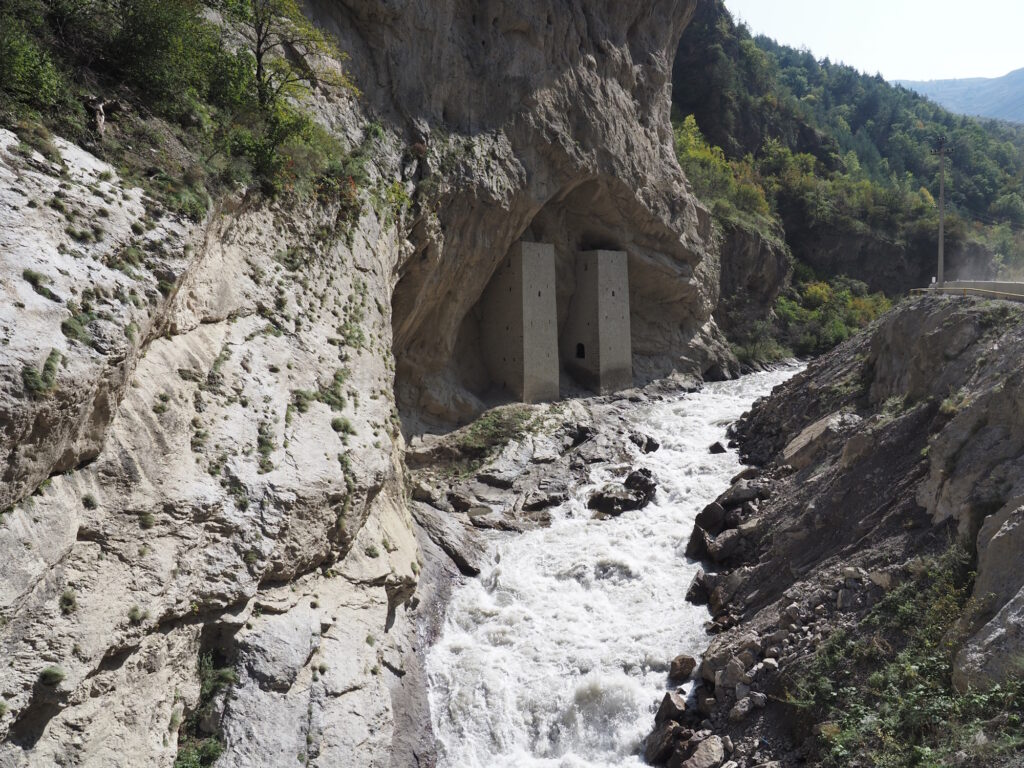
column 940, row 150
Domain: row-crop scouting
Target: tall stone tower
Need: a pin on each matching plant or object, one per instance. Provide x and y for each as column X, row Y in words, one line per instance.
column 595, row 344
column 519, row 330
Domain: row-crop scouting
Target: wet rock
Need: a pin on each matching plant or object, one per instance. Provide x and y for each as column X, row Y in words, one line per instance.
column 645, row 443
column 712, row 518
column 697, row 546
column 758, row 699
column 642, row 481
column 543, row 499
column 663, row 742
column 716, row 449
column 635, row 493
column 673, row 708
column 681, row 668
column 698, row 592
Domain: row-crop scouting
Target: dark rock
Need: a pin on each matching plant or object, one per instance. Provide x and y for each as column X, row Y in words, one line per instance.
column 740, row 492
column 717, row 448
column 673, row 707
column 460, row 501
column 662, row 743
column 579, row 434
column 635, row 493
column 455, row 540
column 697, row 548
column 539, row 500
column 645, row 443
column 500, row 480
column 642, row 481
column 698, row 592
column 724, row 546
column 681, row 668
column 710, row 753
column 712, row 518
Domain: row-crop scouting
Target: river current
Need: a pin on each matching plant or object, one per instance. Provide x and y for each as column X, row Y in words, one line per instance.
column 556, row 656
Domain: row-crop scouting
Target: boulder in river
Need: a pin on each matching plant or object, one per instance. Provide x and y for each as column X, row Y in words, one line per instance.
column 681, row 668
column 635, row 493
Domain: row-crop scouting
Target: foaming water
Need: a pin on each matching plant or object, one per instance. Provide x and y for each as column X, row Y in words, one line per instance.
column 557, row 656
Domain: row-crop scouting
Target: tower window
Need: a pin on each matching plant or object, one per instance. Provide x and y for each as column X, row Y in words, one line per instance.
column 581, row 352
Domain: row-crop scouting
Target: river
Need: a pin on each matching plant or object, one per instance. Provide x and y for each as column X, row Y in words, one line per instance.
column 556, row 656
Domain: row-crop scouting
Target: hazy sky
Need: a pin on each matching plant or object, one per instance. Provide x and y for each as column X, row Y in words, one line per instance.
column 902, row 39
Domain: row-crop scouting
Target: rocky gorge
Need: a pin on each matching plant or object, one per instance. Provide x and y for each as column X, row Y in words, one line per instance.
column 254, row 479
column 207, row 523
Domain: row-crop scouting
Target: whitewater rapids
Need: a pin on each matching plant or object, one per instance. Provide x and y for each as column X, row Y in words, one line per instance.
column 557, row 656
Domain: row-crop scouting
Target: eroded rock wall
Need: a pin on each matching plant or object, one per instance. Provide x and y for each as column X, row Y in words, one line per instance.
column 541, row 123
column 204, row 467
column 883, row 452
column 226, row 474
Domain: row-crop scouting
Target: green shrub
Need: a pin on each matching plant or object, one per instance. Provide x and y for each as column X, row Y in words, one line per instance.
column 76, row 327
column 265, row 446
column 39, row 283
column 342, row 425
column 137, row 615
column 40, row 384
column 68, row 602
column 28, row 73
column 887, row 690
column 89, row 501
column 52, row 675
column 494, row 430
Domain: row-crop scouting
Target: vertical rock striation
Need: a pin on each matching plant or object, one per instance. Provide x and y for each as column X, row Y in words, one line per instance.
column 204, row 524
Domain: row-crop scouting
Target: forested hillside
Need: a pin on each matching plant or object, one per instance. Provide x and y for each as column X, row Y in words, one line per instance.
column 844, row 163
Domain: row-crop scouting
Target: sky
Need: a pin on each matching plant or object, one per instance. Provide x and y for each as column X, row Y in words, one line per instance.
column 901, row 39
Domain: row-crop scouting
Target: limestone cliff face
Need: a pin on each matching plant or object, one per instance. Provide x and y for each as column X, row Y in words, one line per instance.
column 542, row 124
column 203, row 461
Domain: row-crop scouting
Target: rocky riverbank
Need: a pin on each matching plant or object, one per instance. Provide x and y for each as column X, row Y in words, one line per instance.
column 840, row 566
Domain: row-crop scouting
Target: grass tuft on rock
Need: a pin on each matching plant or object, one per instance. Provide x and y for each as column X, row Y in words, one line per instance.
column 52, row 675
column 41, row 383
column 494, row 430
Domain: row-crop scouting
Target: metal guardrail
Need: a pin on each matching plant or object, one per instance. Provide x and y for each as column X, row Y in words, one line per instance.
column 962, row 290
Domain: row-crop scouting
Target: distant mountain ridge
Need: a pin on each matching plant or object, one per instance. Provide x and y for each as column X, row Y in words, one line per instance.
column 998, row 97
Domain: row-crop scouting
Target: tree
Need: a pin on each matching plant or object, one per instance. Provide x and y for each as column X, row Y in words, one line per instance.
column 284, row 46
